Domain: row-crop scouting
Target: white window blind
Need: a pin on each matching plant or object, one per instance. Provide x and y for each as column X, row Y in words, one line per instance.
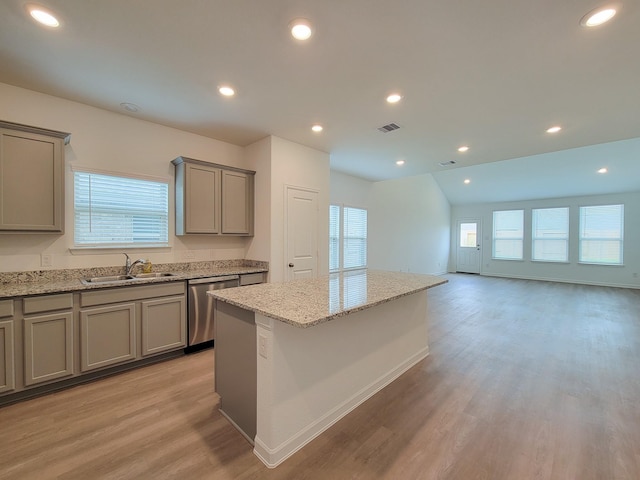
column 334, row 237
column 116, row 211
column 601, row 234
column 354, row 237
column 550, row 232
column 508, row 234
column 347, row 237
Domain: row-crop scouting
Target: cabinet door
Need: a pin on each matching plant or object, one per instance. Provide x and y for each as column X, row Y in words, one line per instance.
column 237, row 202
column 107, row 335
column 7, row 375
column 48, row 347
column 32, row 182
column 202, row 199
column 164, row 325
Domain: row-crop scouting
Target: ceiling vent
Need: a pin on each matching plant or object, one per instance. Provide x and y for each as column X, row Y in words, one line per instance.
column 446, row 164
column 388, row 128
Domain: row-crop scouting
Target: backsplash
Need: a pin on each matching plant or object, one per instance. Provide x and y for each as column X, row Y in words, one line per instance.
column 75, row 273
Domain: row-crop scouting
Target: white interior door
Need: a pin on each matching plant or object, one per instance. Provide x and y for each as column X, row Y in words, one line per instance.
column 468, row 250
column 301, row 224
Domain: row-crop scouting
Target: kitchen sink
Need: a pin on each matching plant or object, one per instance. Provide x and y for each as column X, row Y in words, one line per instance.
column 124, row 278
column 107, row 279
column 154, row 275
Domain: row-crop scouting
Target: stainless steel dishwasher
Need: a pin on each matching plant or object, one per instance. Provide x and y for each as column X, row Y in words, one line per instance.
column 200, row 309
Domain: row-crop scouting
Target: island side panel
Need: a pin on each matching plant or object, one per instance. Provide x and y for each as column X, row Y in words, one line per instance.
column 235, row 366
column 310, row 378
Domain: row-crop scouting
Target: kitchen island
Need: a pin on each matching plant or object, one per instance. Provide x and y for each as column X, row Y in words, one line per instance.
column 293, row 358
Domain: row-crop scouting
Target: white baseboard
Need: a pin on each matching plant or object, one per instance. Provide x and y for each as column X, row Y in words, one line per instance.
column 274, row 457
column 561, row 280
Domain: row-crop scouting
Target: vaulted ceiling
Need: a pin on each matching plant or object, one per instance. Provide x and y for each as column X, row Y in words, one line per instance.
column 493, row 75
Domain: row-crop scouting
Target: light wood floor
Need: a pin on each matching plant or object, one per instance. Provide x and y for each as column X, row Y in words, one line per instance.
column 526, row 380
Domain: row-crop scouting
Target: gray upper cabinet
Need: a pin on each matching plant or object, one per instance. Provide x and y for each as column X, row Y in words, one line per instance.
column 237, row 203
column 31, row 179
column 213, row 199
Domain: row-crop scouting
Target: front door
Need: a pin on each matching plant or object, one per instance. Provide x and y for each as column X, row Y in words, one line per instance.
column 468, row 251
column 301, row 251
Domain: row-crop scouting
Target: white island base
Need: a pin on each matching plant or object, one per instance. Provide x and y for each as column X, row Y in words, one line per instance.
column 306, row 379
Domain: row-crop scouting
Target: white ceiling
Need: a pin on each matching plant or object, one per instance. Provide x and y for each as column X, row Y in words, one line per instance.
column 492, row 74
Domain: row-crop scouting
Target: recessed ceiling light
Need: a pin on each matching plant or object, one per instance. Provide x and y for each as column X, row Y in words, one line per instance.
column 555, row 129
column 467, row 181
column 394, row 98
column 227, row 91
column 130, row 107
column 399, row 162
column 43, row 16
column 301, row 29
column 463, row 149
column 317, row 128
column 599, row 15
column 603, row 170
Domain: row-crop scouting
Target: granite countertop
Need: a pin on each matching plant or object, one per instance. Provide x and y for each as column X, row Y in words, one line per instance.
column 309, row 302
column 22, row 284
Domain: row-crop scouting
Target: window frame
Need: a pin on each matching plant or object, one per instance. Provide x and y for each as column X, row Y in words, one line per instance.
column 164, row 210
column 563, row 237
column 342, row 238
column 582, row 238
column 520, row 238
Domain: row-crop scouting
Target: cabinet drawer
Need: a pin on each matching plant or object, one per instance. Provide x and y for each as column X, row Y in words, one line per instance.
column 48, row 303
column 127, row 294
column 6, row 308
column 251, row 278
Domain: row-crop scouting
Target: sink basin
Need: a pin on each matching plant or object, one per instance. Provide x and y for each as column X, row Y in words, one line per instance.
column 154, row 275
column 108, row 279
column 124, row 278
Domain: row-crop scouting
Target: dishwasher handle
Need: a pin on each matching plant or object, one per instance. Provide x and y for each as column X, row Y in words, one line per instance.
column 225, row 278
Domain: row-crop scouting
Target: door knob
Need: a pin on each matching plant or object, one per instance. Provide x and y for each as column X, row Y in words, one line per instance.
column 291, row 265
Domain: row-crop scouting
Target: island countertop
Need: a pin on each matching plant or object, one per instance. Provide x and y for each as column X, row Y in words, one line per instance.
column 308, row 302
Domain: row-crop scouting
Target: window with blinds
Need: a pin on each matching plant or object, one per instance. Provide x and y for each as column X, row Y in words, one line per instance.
column 347, row 238
column 334, row 237
column 120, row 211
column 508, row 234
column 550, row 234
column 601, row 234
column 354, row 224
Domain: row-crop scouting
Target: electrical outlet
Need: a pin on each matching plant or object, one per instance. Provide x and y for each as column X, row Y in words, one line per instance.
column 46, row 260
column 262, row 346
column 188, row 255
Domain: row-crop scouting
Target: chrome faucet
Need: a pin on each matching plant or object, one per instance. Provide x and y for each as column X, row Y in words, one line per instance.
column 129, row 266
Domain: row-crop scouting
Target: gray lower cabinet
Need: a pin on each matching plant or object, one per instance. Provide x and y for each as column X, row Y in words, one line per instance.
column 107, row 336
column 122, row 325
column 164, row 325
column 48, row 347
column 47, row 338
column 7, row 369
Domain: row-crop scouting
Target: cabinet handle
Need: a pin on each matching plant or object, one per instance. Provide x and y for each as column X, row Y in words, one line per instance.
column 291, row 265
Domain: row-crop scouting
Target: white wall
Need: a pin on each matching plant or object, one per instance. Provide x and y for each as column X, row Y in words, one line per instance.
column 295, row 165
column 349, row 190
column 113, row 142
column 409, row 226
column 258, row 158
column 572, row 272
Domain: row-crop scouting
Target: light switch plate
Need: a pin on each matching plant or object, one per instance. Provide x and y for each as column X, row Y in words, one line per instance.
column 262, row 346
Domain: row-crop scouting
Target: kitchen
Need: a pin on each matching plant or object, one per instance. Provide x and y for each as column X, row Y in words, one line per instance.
column 419, row 240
